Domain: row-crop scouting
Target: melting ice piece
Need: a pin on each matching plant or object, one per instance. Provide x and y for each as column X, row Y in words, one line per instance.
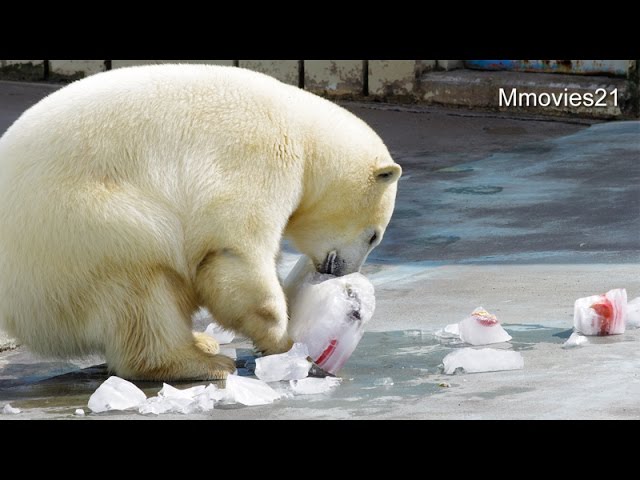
column 450, row 331
column 601, row 314
column 188, row 400
column 482, row 328
column 575, row 340
column 248, row 391
column 328, row 313
column 292, row 365
column 633, row 313
column 482, row 360
column 171, row 399
column 222, row 335
column 79, row 412
column 116, row 393
column 9, row 410
column 383, row 382
column 313, row 386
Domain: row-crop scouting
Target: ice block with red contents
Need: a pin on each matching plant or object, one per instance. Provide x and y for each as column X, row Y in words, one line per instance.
column 328, row 313
column 601, row 314
column 482, row 328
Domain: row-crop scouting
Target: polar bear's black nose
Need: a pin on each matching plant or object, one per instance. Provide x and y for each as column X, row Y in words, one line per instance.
column 332, row 265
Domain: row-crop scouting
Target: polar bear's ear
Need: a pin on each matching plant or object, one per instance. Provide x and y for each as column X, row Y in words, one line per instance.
column 388, row 174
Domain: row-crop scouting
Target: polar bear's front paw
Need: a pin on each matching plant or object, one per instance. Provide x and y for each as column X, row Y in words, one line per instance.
column 222, row 366
column 206, row 343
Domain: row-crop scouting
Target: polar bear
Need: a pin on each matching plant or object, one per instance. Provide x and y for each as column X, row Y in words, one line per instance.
column 132, row 197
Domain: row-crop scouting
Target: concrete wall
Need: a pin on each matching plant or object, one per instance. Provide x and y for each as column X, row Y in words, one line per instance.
column 380, row 79
column 445, row 82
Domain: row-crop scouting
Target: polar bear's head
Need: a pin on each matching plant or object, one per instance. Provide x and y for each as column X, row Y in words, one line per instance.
column 347, row 218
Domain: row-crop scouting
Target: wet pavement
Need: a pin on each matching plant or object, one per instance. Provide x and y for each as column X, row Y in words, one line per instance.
column 521, row 215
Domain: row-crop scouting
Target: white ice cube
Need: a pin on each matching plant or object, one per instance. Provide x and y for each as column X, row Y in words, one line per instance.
column 601, row 314
column 313, row 386
column 115, row 393
column 9, row 410
column 633, row 313
column 482, row 360
column 248, row 391
column 222, row 335
column 482, row 328
column 174, row 400
column 79, row 412
column 167, row 391
column 292, row 365
column 575, row 340
column 328, row 313
column 158, row 405
column 451, row 331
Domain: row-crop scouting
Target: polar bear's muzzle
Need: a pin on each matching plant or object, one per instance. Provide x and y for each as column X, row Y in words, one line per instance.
column 332, row 265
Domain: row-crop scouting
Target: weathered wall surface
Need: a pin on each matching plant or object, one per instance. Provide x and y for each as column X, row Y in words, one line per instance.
column 442, row 82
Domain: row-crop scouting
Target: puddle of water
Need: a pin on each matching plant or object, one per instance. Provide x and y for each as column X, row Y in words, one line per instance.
column 457, row 169
column 386, row 367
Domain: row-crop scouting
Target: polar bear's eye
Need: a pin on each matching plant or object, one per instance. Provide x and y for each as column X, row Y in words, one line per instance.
column 374, row 237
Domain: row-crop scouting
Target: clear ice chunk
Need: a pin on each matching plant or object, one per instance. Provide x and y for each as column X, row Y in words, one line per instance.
column 292, row 365
column 189, row 400
column 116, row 393
column 601, row 314
column 222, row 335
column 248, row 391
column 575, row 340
column 633, row 313
column 328, row 313
column 451, row 331
column 313, row 386
column 473, row 360
column 482, row 328
column 79, row 412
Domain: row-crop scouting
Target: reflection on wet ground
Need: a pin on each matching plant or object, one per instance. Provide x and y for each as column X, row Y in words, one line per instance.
column 399, row 364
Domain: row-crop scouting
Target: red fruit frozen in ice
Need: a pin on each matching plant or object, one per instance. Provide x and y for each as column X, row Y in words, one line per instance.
column 601, row 314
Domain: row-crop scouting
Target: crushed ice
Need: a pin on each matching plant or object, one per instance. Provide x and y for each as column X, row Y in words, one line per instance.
column 450, row 331
column 292, row 365
column 575, row 340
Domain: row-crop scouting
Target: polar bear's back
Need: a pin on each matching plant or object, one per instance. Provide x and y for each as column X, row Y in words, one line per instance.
column 136, row 106
column 138, row 147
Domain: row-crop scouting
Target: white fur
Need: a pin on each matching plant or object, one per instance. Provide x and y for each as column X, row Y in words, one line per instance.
column 116, row 187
